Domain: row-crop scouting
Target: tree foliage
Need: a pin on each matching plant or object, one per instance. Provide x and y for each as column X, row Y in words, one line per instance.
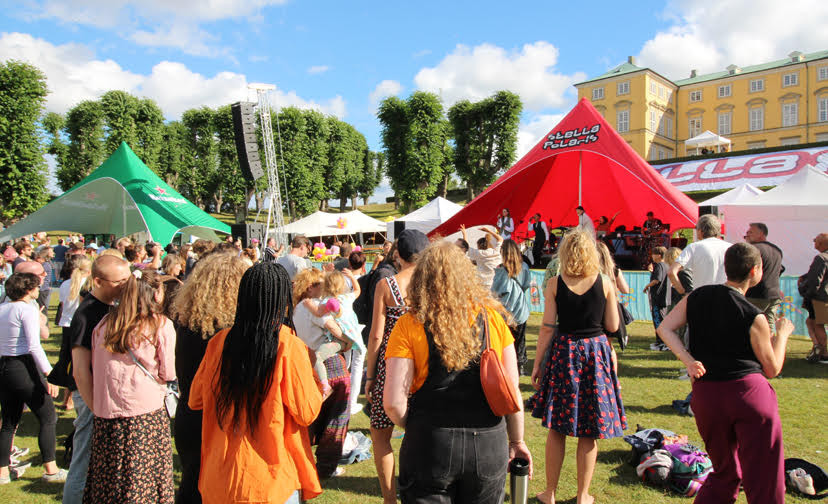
column 485, row 138
column 22, row 166
column 414, row 136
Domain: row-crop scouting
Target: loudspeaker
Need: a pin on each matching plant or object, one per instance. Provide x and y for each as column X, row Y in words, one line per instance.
column 247, row 145
column 398, row 228
column 249, row 231
column 708, row 209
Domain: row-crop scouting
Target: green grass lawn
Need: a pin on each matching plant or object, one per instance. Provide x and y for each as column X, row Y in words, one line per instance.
column 649, row 387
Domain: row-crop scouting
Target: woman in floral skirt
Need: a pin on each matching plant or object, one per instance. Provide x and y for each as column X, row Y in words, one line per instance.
column 577, row 389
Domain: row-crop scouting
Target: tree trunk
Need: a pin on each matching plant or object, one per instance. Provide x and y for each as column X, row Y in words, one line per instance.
column 343, row 202
column 444, row 186
column 292, row 206
column 354, row 202
column 259, row 201
column 469, row 191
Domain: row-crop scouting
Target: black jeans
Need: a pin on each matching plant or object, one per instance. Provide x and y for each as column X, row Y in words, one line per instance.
column 453, row 465
column 21, row 383
column 519, row 333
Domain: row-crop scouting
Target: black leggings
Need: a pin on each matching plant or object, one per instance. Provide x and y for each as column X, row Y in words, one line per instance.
column 21, row 383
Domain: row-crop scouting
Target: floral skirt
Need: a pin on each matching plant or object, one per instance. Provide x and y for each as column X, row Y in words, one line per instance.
column 131, row 460
column 579, row 394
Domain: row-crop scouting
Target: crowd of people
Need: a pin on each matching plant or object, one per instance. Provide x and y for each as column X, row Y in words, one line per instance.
column 269, row 355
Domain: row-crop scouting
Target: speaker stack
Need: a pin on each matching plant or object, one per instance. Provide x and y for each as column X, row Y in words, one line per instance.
column 249, row 231
column 247, row 144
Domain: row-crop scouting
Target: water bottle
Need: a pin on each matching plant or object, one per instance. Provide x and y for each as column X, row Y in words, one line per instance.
column 519, row 480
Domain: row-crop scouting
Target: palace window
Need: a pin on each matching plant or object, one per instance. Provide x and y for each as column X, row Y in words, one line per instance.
column 694, row 126
column 598, row 93
column 623, row 121
column 822, row 73
column 822, row 109
column 695, row 96
column 757, row 118
column 724, row 91
column 725, row 123
column 790, row 114
column 757, row 85
column 623, row 88
column 791, row 79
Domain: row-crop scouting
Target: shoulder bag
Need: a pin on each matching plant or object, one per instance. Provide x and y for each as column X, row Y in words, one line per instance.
column 499, row 390
column 171, row 393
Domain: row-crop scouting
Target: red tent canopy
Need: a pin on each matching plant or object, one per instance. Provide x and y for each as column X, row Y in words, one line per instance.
column 582, row 161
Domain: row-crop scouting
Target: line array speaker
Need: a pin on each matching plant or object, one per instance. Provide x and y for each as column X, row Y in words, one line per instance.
column 247, row 145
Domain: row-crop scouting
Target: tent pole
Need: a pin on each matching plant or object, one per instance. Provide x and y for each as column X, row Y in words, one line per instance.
column 580, row 184
column 123, row 212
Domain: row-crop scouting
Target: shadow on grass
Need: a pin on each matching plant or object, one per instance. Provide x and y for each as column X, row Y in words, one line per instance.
column 362, row 485
column 663, row 409
column 53, row 491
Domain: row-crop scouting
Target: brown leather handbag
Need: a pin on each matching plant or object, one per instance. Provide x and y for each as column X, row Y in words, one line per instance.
column 499, row 390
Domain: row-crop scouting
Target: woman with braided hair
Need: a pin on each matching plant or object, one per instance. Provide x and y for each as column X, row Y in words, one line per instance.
column 257, row 392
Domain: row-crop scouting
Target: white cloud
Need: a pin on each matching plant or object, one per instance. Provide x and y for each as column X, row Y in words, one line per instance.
column 73, row 74
column 531, row 132
column 385, row 89
column 478, row 72
column 708, row 36
column 318, row 69
column 153, row 23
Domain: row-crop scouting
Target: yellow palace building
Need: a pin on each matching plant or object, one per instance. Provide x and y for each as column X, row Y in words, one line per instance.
column 783, row 102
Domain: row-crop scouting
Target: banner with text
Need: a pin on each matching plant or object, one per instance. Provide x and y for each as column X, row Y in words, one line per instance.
column 767, row 169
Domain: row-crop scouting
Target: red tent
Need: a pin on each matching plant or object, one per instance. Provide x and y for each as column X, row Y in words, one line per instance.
column 582, row 161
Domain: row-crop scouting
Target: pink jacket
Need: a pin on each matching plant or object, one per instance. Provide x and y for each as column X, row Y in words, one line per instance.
column 121, row 389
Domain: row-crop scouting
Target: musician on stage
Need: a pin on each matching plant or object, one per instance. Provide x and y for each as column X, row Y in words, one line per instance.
column 505, row 224
column 652, row 226
column 652, row 230
column 585, row 221
column 604, row 224
column 538, row 226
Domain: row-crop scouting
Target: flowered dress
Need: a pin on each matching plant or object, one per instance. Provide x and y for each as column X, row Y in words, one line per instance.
column 579, row 394
column 379, row 420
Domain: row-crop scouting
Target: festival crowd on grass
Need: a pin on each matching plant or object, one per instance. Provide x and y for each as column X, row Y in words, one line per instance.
column 268, row 356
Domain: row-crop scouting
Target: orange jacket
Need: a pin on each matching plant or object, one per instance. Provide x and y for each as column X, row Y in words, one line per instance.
column 277, row 459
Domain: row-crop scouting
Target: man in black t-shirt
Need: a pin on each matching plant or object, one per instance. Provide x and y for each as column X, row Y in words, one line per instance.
column 109, row 275
column 766, row 294
column 657, row 289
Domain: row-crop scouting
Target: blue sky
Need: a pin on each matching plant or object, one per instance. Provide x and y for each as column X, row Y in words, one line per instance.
column 342, row 57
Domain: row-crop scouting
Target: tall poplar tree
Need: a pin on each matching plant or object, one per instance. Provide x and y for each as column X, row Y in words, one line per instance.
column 22, row 167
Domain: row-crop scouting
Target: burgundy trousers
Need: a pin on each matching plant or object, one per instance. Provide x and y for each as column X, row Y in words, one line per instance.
column 739, row 423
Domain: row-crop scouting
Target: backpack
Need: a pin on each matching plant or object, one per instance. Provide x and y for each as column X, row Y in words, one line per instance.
column 691, row 467
column 363, row 305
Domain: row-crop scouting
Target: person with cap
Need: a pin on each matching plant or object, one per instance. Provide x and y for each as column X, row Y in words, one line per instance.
column 389, row 306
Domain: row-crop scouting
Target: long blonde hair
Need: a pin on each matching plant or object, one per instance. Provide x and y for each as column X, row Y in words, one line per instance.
column 511, row 257
column 445, row 295
column 206, row 302
column 605, row 260
column 79, row 278
column 137, row 316
column 334, row 284
column 578, row 254
column 672, row 254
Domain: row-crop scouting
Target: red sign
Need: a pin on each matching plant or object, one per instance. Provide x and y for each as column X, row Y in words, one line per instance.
column 768, row 169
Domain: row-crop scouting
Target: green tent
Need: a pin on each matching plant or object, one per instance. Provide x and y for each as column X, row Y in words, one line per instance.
column 121, row 197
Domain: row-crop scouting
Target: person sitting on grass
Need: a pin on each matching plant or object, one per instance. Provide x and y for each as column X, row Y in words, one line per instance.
column 730, row 357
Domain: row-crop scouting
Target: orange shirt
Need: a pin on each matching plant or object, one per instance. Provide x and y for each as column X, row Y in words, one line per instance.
column 408, row 341
column 277, row 460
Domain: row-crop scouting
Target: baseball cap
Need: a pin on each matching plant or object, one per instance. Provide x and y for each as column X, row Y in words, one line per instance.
column 410, row 242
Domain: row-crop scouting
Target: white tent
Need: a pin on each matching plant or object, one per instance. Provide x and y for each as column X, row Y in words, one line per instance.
column 335, row 224
column 425, row 219
column 744, row 192
column 706, row 139
column 794, row 212
column 474, row 233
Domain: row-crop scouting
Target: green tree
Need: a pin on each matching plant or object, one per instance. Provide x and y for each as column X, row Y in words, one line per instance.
column 84, row 129
column 485, row 138
column 22, row 167
column 120, row 110
column 199, row 159
column 301, row 186
column 317, row 131
column 172, row 153
column 149, row 132
column 373, row 167
column 413, row 134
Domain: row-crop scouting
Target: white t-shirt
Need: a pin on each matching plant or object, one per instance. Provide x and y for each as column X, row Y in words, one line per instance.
column 705, row 261
column 69, row 307
column 294, row 264
column 585, row 223
column 487, row 260
column 309, row 328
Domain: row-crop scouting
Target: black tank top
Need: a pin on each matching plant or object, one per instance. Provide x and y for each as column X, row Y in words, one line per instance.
column 581, row 316
column 718, row 320
column 451, row 399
